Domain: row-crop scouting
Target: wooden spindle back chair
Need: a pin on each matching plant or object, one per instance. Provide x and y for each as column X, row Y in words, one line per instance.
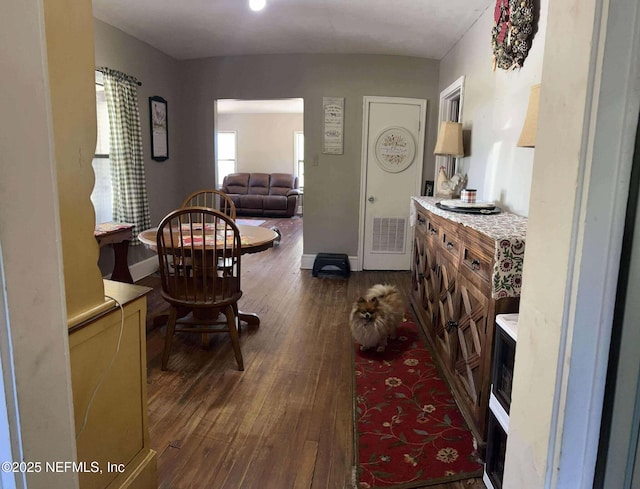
column 214, row 199
column 190, row 242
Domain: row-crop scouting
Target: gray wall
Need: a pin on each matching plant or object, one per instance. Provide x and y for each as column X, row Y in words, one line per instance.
column 332, row 186
column 159, row 76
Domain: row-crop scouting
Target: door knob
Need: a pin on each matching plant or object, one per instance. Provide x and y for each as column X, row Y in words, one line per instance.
column 371, row 199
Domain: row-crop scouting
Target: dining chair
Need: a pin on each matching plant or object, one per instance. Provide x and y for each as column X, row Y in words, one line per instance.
column 214, row 199
column 190, row 241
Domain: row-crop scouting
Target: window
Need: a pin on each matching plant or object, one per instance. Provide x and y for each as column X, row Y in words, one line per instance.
column 226, row 163
column 451, row 99
column 299, row 157
column 101, row 196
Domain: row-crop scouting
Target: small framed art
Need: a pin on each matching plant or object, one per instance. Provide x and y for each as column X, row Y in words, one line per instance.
column 333, row 126
column 428, row 188
column 159, row 122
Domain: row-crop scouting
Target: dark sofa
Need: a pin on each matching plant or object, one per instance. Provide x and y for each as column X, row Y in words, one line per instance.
column 262, row 194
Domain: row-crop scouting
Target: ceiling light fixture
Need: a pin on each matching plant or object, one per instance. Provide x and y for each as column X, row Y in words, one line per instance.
column 257, row 5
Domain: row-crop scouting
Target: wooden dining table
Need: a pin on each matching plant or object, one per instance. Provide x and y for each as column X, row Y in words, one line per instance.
column 253, row 239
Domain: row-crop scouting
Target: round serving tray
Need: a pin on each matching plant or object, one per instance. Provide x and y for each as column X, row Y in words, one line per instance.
column 469, row 210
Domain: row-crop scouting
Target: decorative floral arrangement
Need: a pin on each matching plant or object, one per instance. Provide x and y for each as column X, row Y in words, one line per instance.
column 511, row 31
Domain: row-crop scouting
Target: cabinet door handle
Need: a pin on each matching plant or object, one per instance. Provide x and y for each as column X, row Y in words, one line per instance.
column 421, row 220
column 450, row 245
column 475, row 265
column 421, row 276
column 433, row 231
column 451, row 325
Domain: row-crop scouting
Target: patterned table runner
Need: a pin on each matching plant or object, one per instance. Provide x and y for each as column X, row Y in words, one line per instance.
column 508, row 232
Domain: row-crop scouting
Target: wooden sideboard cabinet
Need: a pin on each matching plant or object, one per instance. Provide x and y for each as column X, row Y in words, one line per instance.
column 466, row 269
column 109, row 380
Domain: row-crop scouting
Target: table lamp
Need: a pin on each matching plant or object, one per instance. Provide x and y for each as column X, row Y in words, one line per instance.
column 530, row 126
column 449, row 143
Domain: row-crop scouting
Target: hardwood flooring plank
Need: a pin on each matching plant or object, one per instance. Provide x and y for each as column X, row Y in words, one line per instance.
column 306, row 466
column 286, row 421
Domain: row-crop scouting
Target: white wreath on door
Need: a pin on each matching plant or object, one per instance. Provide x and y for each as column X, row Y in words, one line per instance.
column 395, row 149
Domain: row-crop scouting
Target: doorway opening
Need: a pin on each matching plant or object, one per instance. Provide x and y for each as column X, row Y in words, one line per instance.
column 259, row 136
column 263, row 136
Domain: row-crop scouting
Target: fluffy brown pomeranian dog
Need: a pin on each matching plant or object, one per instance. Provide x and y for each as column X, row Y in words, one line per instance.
column 375, row 317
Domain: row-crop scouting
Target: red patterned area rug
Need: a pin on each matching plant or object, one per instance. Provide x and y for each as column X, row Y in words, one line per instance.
column 409, row 432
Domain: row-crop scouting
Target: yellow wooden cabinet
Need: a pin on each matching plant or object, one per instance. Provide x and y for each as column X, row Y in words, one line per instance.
column 109, row 376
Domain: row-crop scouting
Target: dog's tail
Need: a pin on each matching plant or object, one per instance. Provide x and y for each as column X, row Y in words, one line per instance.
column 386, row 291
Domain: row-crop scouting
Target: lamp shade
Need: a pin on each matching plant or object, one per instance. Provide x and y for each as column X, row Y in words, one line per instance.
column 530, row 127
column 449, row 140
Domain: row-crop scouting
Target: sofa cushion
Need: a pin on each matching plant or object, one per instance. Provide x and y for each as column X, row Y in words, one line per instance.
column 251, row 201
column 262, row 194
column 281, row 183
column 236, row 183
column 274, row 202
column 235, row 198
column 259, row 184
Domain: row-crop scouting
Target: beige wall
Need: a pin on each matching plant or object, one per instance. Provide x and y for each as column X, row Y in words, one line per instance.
column 73, row 112
column 33, row 327
column 332, row 182
column 265, row 141
column 494, row 108
column 550, row 256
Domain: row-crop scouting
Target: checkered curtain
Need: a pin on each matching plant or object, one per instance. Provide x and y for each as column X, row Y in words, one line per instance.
column 129, row 187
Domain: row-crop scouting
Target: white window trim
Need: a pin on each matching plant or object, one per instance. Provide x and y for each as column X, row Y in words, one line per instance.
column 454, row 93
column 296, row 156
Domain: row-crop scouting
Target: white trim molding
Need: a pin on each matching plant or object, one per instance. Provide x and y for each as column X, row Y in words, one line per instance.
column 142, row 268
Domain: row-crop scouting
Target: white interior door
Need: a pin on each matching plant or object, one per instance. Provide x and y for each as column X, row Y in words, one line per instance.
column 393, row 144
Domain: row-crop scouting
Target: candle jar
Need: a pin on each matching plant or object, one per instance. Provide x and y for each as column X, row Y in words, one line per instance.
column 468, row 195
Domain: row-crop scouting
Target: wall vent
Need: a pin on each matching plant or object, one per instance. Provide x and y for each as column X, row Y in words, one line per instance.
column 388, row 235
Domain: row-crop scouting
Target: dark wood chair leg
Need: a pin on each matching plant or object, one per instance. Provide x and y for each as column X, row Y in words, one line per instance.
column 171, row 328
column 235, row 337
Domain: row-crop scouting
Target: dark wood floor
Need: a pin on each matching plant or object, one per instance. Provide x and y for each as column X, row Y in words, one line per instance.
column 286, row 421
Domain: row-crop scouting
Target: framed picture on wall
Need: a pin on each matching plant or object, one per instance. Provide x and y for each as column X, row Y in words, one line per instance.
column 428, row 188
column 159, row 122
column 333, row 125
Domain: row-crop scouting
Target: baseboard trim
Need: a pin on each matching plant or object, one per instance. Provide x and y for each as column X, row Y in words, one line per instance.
column 141, row 269
column 144, row 268
column 306, row 262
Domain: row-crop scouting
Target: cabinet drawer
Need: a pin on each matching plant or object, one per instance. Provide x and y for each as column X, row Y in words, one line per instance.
column 450, row 241
column 477, row 263
column 421, row 222
column 433, row 227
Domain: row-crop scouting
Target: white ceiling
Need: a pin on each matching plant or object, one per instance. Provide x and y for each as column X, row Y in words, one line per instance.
column 188, row 29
